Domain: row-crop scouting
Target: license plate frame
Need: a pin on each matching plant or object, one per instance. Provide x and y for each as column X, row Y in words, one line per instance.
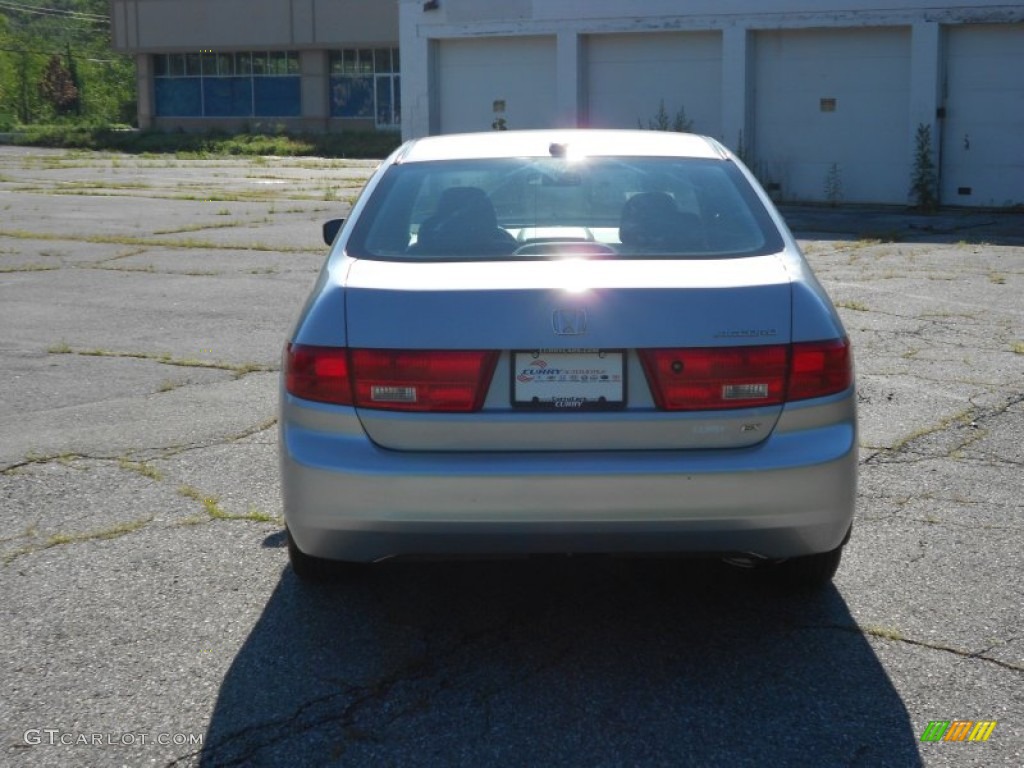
column 567, row 380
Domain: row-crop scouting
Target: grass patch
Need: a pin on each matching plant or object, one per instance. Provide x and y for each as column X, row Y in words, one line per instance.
column 33, row 267
column 214, row 511
column 210, row 503
column 885, row 633
column 63, row 539
column 961, row 418
column 996, row 278
column 239, row 369
column 854, row 305
column 350, row 144
column 141, row 467
column 148, row 242
column 201, row 227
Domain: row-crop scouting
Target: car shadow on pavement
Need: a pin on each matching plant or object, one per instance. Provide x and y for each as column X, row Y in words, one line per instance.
column 556, row 662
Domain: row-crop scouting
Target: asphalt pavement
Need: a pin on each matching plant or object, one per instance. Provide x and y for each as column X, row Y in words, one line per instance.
column 149, row 617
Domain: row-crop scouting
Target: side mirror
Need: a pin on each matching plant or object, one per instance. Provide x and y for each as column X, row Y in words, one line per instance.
column 331, row 229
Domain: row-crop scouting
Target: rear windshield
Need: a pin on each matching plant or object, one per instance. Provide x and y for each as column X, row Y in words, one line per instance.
column 512, row 208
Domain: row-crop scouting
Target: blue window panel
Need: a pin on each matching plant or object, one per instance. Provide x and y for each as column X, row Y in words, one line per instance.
column 277, row 96
column 384, row 115
column 352, row 97
column 398, row 99
column 178, row 97
column 227, row 96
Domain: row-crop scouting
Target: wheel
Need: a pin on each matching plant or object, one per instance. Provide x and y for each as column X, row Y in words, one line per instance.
column 317, row 569
column 808, row 573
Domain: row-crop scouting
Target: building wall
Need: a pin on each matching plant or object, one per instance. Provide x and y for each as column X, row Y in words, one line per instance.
column 149, row 26
column 832, row 113
column 482, row 82
column 823, row 97
column 630, row 77
column 306, row 29
column 983, row 131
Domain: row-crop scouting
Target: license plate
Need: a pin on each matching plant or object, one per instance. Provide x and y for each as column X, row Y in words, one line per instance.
column 584, row 379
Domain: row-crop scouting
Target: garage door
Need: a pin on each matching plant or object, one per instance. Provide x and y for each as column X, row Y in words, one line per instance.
column 832, row 115
column 983, row 133
column 483, row 79
column 628, row 77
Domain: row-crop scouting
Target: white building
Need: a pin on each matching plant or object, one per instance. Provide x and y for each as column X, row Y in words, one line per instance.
column 817, row 93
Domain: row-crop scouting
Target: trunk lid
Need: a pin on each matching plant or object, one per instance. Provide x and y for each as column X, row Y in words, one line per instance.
column 535, row 312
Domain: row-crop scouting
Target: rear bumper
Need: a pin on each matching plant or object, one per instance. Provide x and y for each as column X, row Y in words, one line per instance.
column 792, row 494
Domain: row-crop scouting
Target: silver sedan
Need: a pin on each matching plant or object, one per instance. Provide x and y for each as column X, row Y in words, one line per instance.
column 567, row 342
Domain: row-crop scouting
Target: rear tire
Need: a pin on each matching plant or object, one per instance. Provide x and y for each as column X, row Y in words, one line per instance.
column 318, row 570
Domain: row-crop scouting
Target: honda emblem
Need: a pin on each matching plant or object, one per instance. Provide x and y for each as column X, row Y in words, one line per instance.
column 569, row 322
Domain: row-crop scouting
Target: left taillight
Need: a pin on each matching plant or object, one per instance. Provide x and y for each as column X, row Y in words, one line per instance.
column 318, row 373
column 390, row 379
column 422, row 380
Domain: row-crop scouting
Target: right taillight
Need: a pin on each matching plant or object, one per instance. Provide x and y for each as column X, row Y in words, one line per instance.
column 715, row 378
column 819, row 368
column 718, row 378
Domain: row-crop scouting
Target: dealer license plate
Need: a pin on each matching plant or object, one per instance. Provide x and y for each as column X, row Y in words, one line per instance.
column 580, row 379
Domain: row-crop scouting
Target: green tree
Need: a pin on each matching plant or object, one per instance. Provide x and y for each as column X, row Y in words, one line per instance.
column 661, row 121
column 924, row 178
column 78, row 33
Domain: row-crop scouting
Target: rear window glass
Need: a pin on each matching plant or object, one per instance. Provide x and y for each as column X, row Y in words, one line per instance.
column 626, row 207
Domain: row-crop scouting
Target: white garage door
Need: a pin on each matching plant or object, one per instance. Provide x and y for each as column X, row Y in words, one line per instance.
column 983, row 133
column 832, row 118
column 629, row 76
column 513, row 75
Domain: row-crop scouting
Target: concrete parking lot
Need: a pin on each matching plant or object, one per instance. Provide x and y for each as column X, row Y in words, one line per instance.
column 148, row 615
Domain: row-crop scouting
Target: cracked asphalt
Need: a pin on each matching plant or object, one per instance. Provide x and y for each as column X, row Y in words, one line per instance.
column 149, row 617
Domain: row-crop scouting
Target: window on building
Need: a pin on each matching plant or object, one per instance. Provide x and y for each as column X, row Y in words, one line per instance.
column 365, row 85
column 243, row 84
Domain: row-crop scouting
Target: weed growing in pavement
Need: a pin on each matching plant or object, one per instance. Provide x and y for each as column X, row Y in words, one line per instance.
column 212, row 507
column 239, row 369
column 60, row 539
column 21, row 234
column 141, row 467
column 964, row 417
column 883, row 632
column 854, row 305
column 924, row 177
column 33, row 267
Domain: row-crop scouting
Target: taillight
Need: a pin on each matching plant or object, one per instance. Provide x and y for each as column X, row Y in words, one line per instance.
column 820, row 368
column 402, row 380
column 418, row 380
column 713, row 378
column 716, row 378
column 318, row 373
